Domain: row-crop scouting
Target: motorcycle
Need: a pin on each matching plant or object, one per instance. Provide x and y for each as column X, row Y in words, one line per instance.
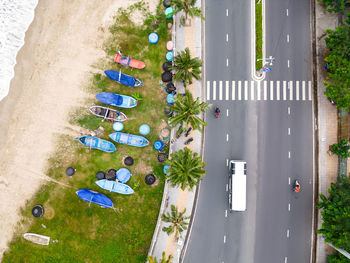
column 188, row 141
column 296, row 186
column 188, row 131
column 217, row 112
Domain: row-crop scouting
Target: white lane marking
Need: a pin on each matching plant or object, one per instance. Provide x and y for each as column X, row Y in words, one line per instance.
column 245, row 90
column 288, row 155
column 287, row 12
column 214, row 90
column 227, row 112
column 288, row 110
column 227, row 62
column 239, row 90
column 233, row 90
column 226, row 213
column 271, row 90
column 288, row 38
column 227, row 89
column 265, row 90
column 226, row 37
column 309, row 90
column 224, row 238
column 289, row 180
column 208, row 90
column 284, row 90
column 297, row 90
column 287, row 233
column 226, row 12
column 285, row 259
column 227, row 137
column 290, row 86
column 289, row 207
column 303, row 90
column 278, row 90
column 226, row 162
column 259, row 90
column 220, row 90
column 288, row 63
column 226, row 187
column 252, row 90
column 288, row 131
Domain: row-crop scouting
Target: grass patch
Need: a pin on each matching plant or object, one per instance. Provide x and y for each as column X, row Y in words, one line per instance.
column 258, row 35
column 94, row 234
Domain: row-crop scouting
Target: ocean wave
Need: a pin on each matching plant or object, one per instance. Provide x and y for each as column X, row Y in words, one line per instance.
column 15, row 18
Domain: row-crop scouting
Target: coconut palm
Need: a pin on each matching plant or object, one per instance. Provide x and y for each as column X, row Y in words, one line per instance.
column 186, row 67
column 188, row 7
column 185, row 168
column 186, row 111
column 163, row 260
column 177, row 221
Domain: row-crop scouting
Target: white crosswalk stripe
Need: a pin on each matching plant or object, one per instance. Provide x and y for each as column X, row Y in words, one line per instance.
column 284, row 90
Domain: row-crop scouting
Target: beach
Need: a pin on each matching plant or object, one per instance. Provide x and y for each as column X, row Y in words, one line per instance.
column 52, row 69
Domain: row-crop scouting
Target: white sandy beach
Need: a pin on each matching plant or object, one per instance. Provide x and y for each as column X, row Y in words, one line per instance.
column 64, row 39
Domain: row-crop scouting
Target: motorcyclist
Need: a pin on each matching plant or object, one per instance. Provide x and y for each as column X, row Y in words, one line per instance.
column 296, row 187
column 217, row 110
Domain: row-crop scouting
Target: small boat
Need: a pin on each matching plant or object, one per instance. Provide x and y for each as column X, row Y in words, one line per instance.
column 114, row 186
column 97, row 143
column 37, row 239
column 94, row 197
column 108, row 114
column 127, row 61
column 129, row 139
column 117, row 100
column 123, row 78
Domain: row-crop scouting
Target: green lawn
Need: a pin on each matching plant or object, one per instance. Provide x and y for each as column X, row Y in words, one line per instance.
column 95, row 234
column 258, row 34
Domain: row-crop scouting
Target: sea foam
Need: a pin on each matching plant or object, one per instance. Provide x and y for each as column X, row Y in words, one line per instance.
column 15, row 18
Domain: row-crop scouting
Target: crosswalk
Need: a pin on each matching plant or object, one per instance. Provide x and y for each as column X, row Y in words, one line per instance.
column 259, row 90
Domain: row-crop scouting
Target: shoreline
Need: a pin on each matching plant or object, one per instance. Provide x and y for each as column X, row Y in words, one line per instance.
column 63, row 41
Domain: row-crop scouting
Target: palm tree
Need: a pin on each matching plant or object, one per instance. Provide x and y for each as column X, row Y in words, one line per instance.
column 186, row 67
column 177, row 221
column 185, row 168
column 163, row 260
column 186, row 112
column 188, row 7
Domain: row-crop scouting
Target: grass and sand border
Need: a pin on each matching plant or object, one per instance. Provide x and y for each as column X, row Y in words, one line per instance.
column 258, row 34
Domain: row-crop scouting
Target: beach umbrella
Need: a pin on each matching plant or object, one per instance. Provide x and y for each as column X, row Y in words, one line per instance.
column 166, row 3
column 168, row 112
column 169, row 56
column 38, row 211
column 169, row 12
column 144, row 129
column 166, row 65
column 129, row 161
column 167, row 76
column 123, row 175
column 165, row 168
column 150, row 179
column 158, row 145
column 170, row 98
column 153, row 38
column 169, row 45
column 100, row 175
column 70, row 171
column 94, row 197
column 170, row 87
column 118, row 126
column 161, row 157
column 111, row 174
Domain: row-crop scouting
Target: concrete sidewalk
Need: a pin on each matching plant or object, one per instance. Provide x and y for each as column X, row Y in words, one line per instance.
column 182, row 36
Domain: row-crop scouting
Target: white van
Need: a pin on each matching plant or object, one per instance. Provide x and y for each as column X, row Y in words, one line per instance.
column 237, row 185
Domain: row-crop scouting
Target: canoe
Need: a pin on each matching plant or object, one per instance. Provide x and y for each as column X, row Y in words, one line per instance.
column 117, row 100
column 37, row 239
column 129, row 139
column 123, row 78
column 108, row 114
column 127, row 61
column 114, row 186
column 94, row 197
column 97, row 143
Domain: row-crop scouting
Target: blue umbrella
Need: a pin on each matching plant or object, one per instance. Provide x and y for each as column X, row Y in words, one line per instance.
column 165, row 168
column 144, row 129
column 94, row 197
column 123, row 175
column 169, row 12
column 169, row 56
column 118, row 126
column 153, row 38
column 170, row 98
column 158, row 145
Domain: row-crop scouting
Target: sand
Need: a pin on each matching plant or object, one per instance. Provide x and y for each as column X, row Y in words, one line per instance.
column 53, row 66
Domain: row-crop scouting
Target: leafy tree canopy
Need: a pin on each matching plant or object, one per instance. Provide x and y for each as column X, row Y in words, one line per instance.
column 334, row 6
column 337, row 258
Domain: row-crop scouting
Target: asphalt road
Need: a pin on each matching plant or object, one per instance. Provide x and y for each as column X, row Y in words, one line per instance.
column 274, row 137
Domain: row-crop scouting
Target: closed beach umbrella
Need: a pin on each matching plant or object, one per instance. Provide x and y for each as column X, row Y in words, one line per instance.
column 100, row 175
column 161, row 157
column 169, row 45
column 70, row 171
column 169, row 12
column 111, row 174
column 129, row 161
column 167, row 76
column 165, row 168
column 118, row 126
column 153, row 38
column 158, row 145
column 144, row 129
column 38, row 211
column 168, row 112
column 123, row 175
column 166, row 66
column 169, row 56
column 170, row 98
column 150, row 179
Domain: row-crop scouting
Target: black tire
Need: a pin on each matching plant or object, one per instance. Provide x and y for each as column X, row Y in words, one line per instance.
column 166, row 3
column 150, row 179
column 129, row 161
column 166, row 66
column 167, row 76
column 38, row 211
